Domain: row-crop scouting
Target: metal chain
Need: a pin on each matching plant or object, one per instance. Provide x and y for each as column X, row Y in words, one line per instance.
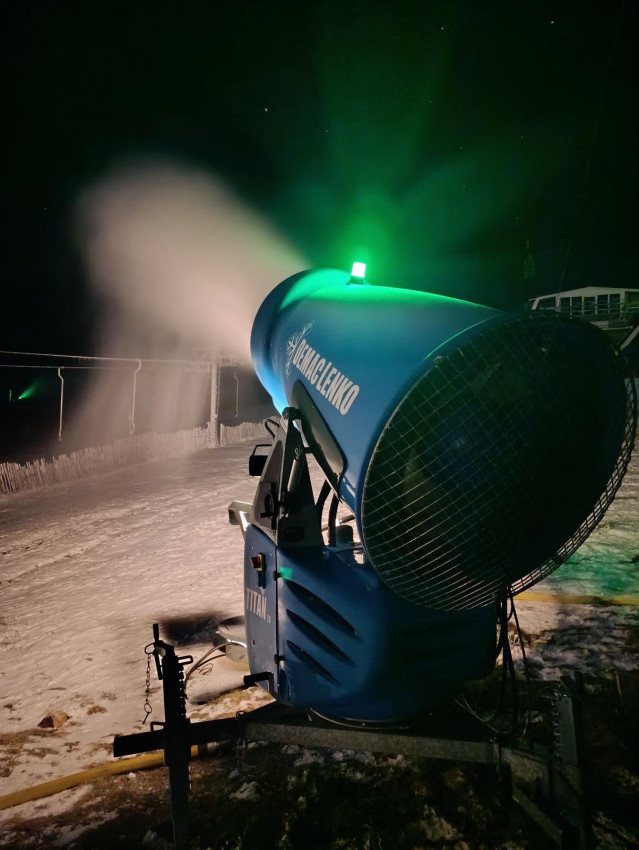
column 556, row 729
column 147, row 708
column 553, row 696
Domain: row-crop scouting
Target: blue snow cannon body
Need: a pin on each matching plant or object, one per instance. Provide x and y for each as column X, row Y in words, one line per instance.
column 475, row 449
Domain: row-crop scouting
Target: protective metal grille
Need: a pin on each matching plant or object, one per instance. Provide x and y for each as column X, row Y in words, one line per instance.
column 499, row 462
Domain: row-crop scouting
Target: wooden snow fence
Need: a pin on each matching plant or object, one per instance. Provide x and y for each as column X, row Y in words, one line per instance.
column 15, row 477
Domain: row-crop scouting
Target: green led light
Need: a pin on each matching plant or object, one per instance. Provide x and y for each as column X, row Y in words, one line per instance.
column 359, row 270
column 39, row 388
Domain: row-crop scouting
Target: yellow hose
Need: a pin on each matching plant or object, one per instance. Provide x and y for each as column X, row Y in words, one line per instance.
column 64, row 783
column 112, row 768
column 572, row 599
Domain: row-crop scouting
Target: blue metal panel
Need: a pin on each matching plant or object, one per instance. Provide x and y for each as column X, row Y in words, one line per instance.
column 368, row 345
column 260, row 606
column 353, row 649
column 334, row 638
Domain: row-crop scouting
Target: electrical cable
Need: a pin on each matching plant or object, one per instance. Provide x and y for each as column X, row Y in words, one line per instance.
column 524, row 659
column 218, row 646
column 321, row 500
column 274, row 423
column 332, row 515
column 508, row 678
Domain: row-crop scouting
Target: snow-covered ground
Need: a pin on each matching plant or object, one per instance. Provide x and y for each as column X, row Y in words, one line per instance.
column 87, row 567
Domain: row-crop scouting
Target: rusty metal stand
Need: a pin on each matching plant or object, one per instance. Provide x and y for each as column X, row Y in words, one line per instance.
column 545, row 783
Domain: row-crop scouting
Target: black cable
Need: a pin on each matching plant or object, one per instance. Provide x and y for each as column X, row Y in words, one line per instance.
column 321, row 500
column 274, row 423
column 524, row 659
column 332, row 515
column 507, row 675
column 505, row 612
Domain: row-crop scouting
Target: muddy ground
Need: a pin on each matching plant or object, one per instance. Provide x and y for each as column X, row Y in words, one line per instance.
column 258, row 796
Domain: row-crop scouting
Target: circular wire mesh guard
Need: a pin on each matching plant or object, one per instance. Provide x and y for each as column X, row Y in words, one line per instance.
column 499, row 462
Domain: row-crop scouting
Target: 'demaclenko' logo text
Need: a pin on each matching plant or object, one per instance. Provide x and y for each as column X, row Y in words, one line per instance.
column 321, row 374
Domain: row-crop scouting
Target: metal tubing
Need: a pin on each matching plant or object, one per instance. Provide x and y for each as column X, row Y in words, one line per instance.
column 132, row 413
column 215, row 401
column 476, row 752
column 61, row 400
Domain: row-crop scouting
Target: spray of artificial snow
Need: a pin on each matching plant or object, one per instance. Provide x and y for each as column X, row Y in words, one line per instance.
column 178, row 264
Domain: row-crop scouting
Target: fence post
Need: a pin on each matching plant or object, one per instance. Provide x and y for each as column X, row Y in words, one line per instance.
column 132, row 414
column 61, row 400
column 214, row 425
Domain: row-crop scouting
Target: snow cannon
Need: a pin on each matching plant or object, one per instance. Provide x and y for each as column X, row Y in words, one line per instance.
column 473, row 452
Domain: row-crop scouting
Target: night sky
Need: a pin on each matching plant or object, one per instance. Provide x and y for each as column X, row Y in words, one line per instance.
column 431, row 139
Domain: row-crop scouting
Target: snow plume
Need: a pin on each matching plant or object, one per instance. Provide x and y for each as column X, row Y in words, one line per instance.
column 178, row 250
column 177, row 263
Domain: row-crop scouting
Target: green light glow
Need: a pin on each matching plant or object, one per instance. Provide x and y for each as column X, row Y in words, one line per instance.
column 43, row 386
column 286, row 572
column 359, row 270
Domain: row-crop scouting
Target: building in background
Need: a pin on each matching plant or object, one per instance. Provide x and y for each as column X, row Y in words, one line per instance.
column 615, row 311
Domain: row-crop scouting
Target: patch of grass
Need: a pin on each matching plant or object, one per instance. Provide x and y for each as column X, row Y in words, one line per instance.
column 13, row 743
